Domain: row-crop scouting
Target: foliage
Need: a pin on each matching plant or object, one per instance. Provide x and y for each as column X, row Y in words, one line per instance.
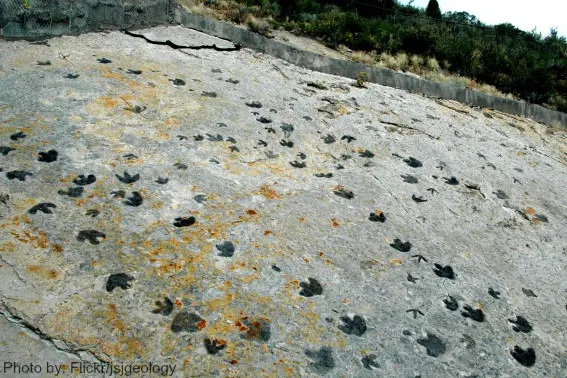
column 525, row 64
column 433, row 9
column 361, row 79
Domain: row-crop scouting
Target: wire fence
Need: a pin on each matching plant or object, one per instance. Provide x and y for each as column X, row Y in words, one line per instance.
column 39, row 18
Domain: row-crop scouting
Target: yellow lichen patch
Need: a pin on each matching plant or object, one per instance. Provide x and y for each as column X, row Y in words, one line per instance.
column 38, row 240
column 111, row 317
column 162, row 135
column 220, row 304
column 126, row 347
column 250, row 278
column 68, row 178
column 43, row 272
column 7, row 247
column 396, row 262
column 136, row 161
column 81, row 202
column 108, row 102
column 171, row 123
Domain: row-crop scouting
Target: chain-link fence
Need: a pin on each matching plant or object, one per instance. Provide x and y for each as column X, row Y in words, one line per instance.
column 40, row 18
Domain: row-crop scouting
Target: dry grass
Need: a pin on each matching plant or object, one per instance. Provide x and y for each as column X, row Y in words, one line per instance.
column 426, row 67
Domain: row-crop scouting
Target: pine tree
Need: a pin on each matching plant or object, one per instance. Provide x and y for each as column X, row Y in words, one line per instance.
column 433, row 9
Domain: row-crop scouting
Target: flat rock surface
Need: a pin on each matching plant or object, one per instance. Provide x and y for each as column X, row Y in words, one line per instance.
column 231, row 214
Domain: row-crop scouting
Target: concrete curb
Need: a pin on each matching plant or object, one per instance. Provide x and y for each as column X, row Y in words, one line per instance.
column 376, row 75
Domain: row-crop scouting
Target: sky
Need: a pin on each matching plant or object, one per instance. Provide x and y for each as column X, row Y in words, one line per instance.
column 524, row 14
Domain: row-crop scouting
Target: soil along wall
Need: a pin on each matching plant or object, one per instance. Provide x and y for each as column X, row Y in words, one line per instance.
column 31, row 19
column 376, row 75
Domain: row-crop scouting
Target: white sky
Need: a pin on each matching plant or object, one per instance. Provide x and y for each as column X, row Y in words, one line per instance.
column 524, row 14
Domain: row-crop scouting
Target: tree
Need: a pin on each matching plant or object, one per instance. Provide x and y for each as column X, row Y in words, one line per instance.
column 433, row 9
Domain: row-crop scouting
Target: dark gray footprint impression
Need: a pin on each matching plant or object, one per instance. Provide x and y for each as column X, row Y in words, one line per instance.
column 377, row 216
column 5, row 150
column 73, row 192
column 401, row 246
column 186, row 322
column 451, row 303
column 127, row 178
column 298, row 164
column 81, row 180
column 135, row 200
column 184, row 221
column 500, row 195
column 165, row 308
column 451, row 181
column 410, row 179
column 434, row 346
column 162, row 181
column 475, row 314
column 48, row 157
column 529, row 293
column 92, row 212
column 329, row 139
column 493, row 293
column 412, row 162
column 92, row 236
column 18, row 135
column 257, row 329
column 310, row 289
column 118, row 194
column 44, row 207
column 121, row 280
column 366, row 154
column 213, row 346
column 20, row 175
column 177, row 82
column 369, row 361
column 323, row 361
column 353, row 326
column 525, row 357
column 444, row 271
column 417, row 199
column 343, row 192
column 226, row 249
column 521, row 324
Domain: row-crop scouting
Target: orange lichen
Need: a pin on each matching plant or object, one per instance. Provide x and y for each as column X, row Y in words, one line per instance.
column 530, row 211
column 202, row 324
column 38, row 240
column 57, row 248
column 269, row 193
column 108, row 102
column 335, row 222
column 43, row 272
